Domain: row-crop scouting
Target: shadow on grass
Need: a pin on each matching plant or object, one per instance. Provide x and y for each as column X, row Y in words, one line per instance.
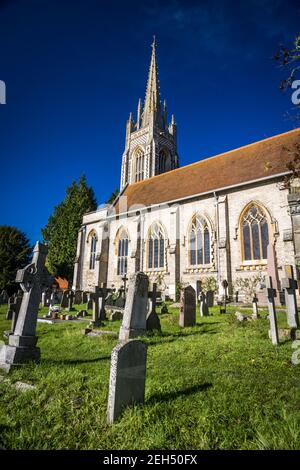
column 170, row 338
column 74, row 361
column 165, row 397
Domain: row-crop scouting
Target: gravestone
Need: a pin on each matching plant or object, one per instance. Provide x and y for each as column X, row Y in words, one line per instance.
column 97, row 307
column 204, row 312
column 3, row 297
column 116, row 315
column 187, row 315
column 271, row 293
column 78, row 297
column 127, row 377
column 84, row 297
column 255, row 307
column 33, row 278
column 64, row 299
column 153, row 322
column 46, row 298
column 89, row 302
column 70, row 296
column 198, row 290
column 135, row 312
column 290, row 285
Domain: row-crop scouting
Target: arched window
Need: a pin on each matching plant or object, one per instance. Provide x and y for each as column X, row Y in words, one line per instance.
column 139, row 165
column 93, row 251
column 162, row 162
column 255, row 238
column 156, row 247
column 122, row 253
column 199, row 242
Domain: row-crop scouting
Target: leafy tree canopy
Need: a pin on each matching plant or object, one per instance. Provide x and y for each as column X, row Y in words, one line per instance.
column 62, row 228
column 15, row 253
column 113, row 196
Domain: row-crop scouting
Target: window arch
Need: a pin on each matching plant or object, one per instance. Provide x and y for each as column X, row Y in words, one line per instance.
column 199, row 242
column 162, row 161
column 255, row 233
column 139, row 165
column 94, row 240
column 122, row 253
column 156, row 247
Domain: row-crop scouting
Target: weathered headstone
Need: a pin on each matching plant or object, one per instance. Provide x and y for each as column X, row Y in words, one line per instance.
column 64, row 299
column 46, row 298
column 198, row 290
column 78, row 297
column 127, row 377
column 3, row 297
column 204, row 312
column 89, row 302
column 290, row 285
column 153, row 322
column 255, row 307
column 135, row 312
column 33, row 278
column 187, row 315
column 271, row 293
column 70, row 296
column 97, row 306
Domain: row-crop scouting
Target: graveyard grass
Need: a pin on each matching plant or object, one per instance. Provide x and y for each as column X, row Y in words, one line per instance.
column 218, row 385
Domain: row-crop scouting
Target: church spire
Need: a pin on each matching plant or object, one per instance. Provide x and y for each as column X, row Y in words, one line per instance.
column 152, row 106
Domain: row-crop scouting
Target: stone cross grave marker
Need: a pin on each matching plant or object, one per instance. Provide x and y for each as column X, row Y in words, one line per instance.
column 33, row 278
column 290, row 285
column 153, row 322
column 127, row 377
column 187, row 315
column 135, row 312
column 271, row 294
column 99, row 313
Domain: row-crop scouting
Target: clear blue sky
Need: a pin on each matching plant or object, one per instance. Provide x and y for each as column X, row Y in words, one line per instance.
column 75, row 69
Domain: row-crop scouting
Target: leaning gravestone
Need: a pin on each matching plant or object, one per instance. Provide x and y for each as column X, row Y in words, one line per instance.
column 135, row 312
column 33, row 278
column 187, row 315
column 153, row 322
column 127, row 377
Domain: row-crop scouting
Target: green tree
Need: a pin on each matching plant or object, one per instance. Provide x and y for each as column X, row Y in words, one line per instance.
column 62, row 228
column 113, row 196
column 15, row 253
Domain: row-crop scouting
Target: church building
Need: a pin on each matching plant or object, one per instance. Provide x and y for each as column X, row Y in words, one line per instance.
column 211, row 220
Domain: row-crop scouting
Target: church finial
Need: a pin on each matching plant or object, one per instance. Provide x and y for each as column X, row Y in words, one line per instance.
column 152, row 99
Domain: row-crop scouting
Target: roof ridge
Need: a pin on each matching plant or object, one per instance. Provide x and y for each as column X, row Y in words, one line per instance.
column 215, row 156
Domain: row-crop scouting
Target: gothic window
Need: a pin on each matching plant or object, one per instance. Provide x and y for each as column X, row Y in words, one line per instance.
column 122, row 253
column 156, row 247
column 199, row 242
column 93, row 251
column 162, row 162
column 255, row 234
column 139, row 165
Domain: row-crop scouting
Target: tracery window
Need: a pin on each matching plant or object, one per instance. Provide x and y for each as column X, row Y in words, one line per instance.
column 156, row 247
column 199, row 242
column 93, row 251
column 139, row 165
column 162, row 162
column 122, row 253
column 255, row 234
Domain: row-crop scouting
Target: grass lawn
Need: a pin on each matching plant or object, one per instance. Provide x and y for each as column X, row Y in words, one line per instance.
column 218, row 385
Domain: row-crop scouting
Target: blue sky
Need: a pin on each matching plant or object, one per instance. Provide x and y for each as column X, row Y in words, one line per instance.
column 75, row 69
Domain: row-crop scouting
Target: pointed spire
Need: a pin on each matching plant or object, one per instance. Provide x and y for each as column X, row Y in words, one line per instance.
column 152, row 100
column 139, row 114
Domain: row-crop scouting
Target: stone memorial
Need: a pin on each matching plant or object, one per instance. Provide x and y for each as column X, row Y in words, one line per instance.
column 78, row 297
column 290, row 285
column 271, row 293
column 204, row 311
column 70, row 296
column 255, row 307
column 153, row 322
column 135, row 312
column 3, row 297
column 33, row 279
column 64, row 299
column 127, row 376
column 187, row 315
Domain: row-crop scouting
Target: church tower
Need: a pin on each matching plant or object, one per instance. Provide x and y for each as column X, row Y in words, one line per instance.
column 150, row 146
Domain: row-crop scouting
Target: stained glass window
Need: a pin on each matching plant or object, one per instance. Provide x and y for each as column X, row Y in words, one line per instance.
column 156, row 247
column 255, row 234
column 122, row 254
column 199, row 242
column 93, row 251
